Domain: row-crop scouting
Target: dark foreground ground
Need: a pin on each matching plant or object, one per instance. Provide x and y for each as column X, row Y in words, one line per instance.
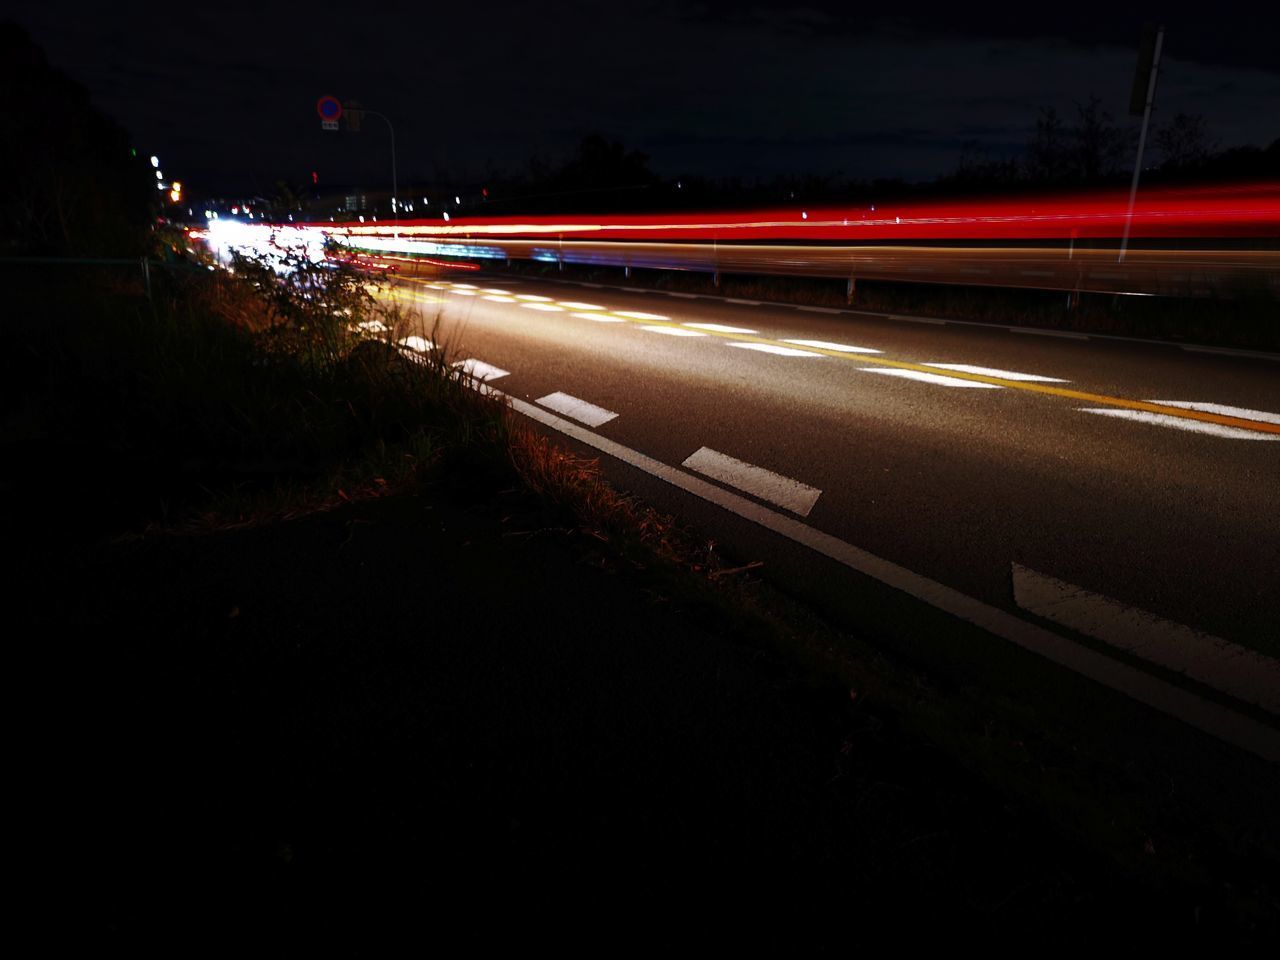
column 439, row 714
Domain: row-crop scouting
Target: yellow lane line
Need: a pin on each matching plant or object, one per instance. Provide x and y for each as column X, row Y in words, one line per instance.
column 1029, row 387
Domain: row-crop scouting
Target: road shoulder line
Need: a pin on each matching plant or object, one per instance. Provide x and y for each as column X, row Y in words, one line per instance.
column 1209, row 717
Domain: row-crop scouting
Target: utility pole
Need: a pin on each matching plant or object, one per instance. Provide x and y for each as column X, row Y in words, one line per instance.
column 1140, row 101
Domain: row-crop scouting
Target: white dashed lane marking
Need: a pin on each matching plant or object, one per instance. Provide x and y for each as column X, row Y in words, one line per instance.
column 1242, row 412
column 479, row 370
column 1178, row 423
column 837, row 347
column 719, row 328
column 675, row 331
column 780, row 351
column 992, row 372
column 1229, row 667
column 641, row 315
column 935, row 378
column 575, row 305
column 576, row 408
column 544, row 307
column 785, row 492
column 418, row 343
column 598, row 317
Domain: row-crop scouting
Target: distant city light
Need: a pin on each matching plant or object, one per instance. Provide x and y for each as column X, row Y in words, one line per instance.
column 362, row 218
column 159, row 175
column 155, row 161
column 446, row 217
column 424, row 201
column 457, row 199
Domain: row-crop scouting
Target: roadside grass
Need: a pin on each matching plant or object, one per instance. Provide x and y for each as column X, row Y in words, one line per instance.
column 1247, row 322
column 226, row 399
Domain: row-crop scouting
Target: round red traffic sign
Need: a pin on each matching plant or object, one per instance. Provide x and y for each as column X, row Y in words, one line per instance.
column 329, row 108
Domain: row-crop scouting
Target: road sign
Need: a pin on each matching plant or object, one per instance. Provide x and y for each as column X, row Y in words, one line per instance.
column 328, row 124
column 329, row 108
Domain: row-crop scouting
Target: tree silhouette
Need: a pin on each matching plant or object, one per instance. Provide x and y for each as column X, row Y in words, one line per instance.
column 72, row 185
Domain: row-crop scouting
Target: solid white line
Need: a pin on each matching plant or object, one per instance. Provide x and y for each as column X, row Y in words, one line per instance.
column 1204, row 715
column 780, row 351
column 827, row 345
column 683, row 296
column 719, row 328
column 992, row 372
column 1242, row 413
column 580, row 410
column 747, row 303
column 479, row 370
column 1230, row 351
column 674, row 331
column 1039, row 332
column 935, row 378
column 1178, row 423
column 815, row 309
column 636, row 290
column 929, row 320
column 1225, row 666
column 785, row 492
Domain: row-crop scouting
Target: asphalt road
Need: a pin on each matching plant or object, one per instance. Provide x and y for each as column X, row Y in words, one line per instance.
column 1071, row 502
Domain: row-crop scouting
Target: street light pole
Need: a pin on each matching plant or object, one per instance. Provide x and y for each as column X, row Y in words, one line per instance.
column 395, row 188
column 1142, row 137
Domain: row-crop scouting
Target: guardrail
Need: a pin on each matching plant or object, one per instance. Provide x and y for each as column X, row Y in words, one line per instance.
column 1144, row 271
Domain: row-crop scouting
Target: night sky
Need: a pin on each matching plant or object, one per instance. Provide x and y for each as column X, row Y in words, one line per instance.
column 225, row 93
